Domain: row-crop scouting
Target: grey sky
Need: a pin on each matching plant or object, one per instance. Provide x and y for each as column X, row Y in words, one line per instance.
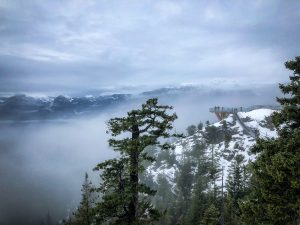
column 54, row 46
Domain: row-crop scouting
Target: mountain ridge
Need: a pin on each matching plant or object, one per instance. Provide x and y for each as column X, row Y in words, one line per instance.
column 25, row 107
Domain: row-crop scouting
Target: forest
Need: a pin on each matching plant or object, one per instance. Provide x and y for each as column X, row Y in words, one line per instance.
column 263, row 191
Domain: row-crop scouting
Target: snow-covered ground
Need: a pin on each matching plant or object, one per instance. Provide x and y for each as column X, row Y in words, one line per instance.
column 240, row 142
column 258, row 118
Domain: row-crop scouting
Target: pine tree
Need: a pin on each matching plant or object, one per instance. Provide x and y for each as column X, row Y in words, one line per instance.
column 289, row 116
column 125, row 200
column 236, row 186
column 211, row 216
column 212, row 137
column 275, row 197
column 200, row 126
column 191, row 130
column 184, row 184
column 226, row 133
column 200, row 199
column 164, row 199
column 84, row 213
column 185, row 180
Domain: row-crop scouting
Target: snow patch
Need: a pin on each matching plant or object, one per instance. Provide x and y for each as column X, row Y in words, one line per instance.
column 257, row 114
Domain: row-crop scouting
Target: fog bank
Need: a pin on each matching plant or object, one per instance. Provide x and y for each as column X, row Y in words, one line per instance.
column 42, row 164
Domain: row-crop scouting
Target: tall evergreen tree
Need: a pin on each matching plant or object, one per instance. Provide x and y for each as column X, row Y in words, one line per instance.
column 211, row 216
column 191, row 130
column 226, row 133
column 212, row 137
column 289, row 116
column 275, row 198
column 200, row 199
column 235, row 181
column 184, row 186
column 84, row 213
column 125, row 200
column 164, row 199
column 200, row 126
column 185, row 180
column 236, row 186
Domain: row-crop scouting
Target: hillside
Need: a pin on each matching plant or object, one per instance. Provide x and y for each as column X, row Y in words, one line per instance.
column 230, row 140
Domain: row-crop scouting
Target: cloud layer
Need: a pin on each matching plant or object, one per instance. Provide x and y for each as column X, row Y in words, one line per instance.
column 85, row 44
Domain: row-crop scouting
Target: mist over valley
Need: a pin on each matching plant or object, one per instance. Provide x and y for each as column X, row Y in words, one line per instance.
column 47, row 156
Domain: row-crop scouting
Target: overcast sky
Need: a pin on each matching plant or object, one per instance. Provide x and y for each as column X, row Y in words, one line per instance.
column 57, row 46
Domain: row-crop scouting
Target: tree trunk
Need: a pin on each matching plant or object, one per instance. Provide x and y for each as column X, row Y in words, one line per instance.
column 134, row 177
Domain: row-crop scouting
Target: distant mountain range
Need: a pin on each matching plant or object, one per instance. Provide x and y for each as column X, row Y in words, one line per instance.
column 22, row 107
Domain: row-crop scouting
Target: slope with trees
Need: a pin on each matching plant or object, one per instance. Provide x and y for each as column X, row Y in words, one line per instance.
column 262, row 185
column 275, row 194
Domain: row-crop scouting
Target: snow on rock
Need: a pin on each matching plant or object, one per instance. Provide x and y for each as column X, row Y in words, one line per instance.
column 258, row 122
column 258, row 114
column 240, row 143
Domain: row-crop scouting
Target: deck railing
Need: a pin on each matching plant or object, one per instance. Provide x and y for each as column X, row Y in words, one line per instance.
column 243, row 109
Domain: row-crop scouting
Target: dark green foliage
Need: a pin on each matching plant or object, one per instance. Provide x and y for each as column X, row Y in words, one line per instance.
column 124, row 199
column 184, row 186
column 200, row 199
column 275, row 196
column 84, row 213
column 224, row 125
column 289, row 116
column 237, row 187
column 185, row 180
column 236, row 179
column 213, row 135
column 211, row 216
column 200, row 126
column 227, row 136
column 191, row 130
column 115, row 179
column 198, row 151
column 277, row 181
column 196, row 183
column 164, row 199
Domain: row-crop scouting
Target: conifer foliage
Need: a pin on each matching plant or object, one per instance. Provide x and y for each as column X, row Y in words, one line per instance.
column 236, row 187
column 84, row 213
column 275, row 197
column 211, row 216
column 125, row 200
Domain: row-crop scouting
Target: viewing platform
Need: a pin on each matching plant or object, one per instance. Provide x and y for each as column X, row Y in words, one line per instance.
column 223, row 112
